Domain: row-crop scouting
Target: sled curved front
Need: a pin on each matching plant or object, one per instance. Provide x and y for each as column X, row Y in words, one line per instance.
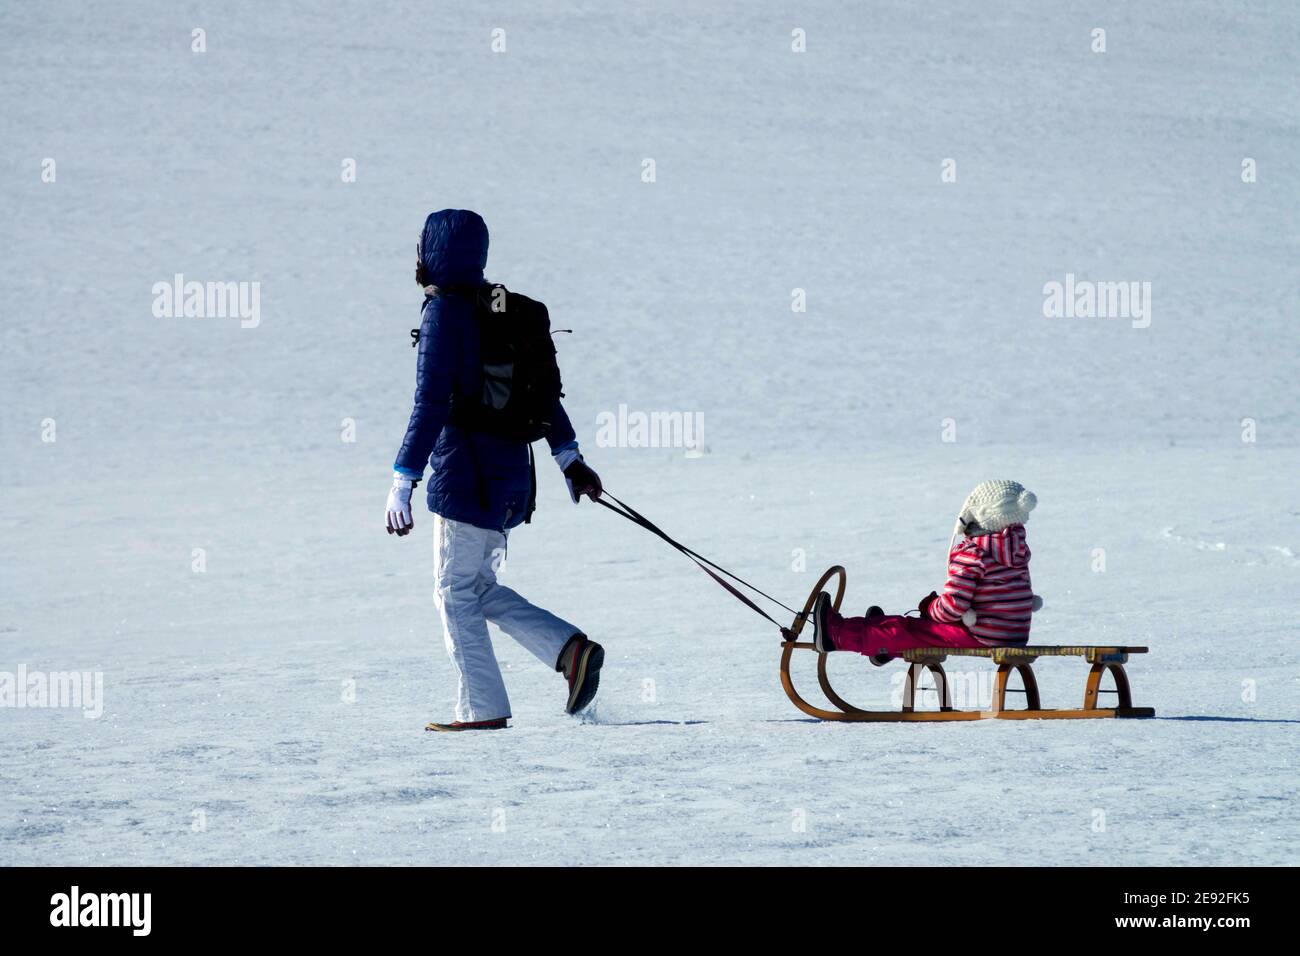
column 848, row 712
column 791, row 642
column 1009, row 659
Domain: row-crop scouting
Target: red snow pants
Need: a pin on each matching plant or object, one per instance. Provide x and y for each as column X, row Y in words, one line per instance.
column 892, row 633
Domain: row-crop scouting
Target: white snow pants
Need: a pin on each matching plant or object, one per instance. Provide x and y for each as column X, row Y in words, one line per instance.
column 468, row 596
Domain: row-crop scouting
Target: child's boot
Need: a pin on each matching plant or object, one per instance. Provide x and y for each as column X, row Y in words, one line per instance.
column 822, row 624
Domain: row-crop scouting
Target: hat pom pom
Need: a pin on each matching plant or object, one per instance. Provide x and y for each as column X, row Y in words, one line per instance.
column 1027, row 501
column 1037, row 603
column 969, row 617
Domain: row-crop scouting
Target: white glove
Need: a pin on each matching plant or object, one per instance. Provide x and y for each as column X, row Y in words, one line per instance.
column 566, row 457
column 398, row 518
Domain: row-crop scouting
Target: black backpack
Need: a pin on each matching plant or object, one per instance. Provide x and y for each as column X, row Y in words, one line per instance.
column 520, row 377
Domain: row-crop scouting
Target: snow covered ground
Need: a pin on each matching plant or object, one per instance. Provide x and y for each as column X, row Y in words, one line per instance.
column 269, row 707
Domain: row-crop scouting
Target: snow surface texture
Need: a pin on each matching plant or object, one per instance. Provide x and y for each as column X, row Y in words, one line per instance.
column 269, row 709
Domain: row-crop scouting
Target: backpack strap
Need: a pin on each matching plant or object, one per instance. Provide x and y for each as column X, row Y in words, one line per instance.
column 532, row 487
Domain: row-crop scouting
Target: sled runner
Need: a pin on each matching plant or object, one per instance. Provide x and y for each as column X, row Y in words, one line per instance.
column 1009, row 659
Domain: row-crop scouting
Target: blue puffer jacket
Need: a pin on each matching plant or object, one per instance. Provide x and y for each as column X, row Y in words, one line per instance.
column 476, row 478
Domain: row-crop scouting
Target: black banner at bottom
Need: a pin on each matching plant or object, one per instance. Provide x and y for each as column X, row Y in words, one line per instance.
column 213, row 905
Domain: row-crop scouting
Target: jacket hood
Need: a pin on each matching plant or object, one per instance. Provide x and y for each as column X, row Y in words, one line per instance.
column 1006, row 547
column 454, row 247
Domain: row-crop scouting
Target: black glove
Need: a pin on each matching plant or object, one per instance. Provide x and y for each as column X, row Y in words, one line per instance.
column 581, row 481
column 924, row 606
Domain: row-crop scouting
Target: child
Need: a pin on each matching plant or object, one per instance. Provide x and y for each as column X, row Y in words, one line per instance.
column 987, row 600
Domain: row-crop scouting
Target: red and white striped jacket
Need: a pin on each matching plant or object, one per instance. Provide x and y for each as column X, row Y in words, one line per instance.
column 989, row 574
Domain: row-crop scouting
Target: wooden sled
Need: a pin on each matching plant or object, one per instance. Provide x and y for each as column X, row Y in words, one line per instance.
column 1008, row 659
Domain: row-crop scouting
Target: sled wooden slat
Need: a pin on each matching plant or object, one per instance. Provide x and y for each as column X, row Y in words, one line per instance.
column 1092, row 655
column 1010, row 660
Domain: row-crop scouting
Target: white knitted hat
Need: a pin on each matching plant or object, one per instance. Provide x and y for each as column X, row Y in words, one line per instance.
column 997, row 504
column 992, row 506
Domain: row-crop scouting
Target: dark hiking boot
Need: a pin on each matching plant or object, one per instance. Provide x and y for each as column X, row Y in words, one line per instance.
column 580, row 662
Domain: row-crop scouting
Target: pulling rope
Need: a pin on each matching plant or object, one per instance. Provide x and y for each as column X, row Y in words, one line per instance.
column 713, row 570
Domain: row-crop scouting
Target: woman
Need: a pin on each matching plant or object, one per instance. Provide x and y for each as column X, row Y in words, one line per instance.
column 482, row 485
